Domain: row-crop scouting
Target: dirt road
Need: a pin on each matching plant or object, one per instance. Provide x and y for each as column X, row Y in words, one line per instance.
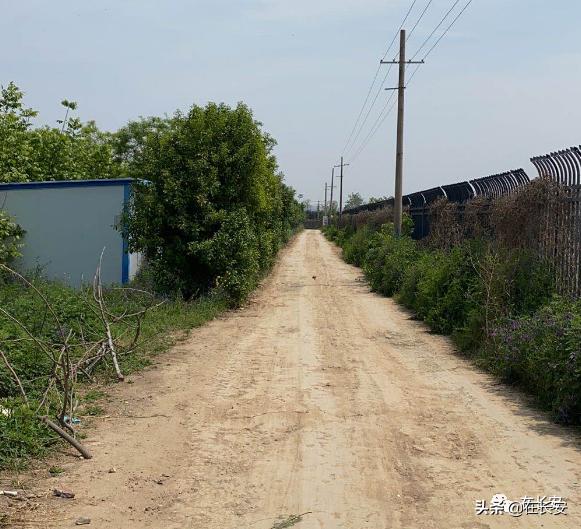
column 320, row 398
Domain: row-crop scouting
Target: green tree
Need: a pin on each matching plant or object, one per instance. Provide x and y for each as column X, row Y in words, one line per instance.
column 16, row 150
column 211, row 209
column 353, row 200
column 74, row 151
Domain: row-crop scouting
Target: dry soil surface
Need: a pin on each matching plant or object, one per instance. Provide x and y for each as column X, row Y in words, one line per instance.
column 322, row 398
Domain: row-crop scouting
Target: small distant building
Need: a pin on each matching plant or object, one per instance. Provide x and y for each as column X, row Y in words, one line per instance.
column 68, row 224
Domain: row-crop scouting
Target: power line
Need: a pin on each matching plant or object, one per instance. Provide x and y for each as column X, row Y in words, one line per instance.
column 448, row 28
column 440, row 37
column 362, row 108
column 381, row 118
column 370, row 108
column 376, row 125
column 399, row 29
column 347, row 144
column 435, row 29
column 420, row 18
column 379, row 121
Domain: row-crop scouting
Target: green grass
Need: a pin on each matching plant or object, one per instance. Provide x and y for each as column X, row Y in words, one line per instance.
column 94, row 394
column 292, row 520
column 92, row 410
column 22, row 436
column 55, row 470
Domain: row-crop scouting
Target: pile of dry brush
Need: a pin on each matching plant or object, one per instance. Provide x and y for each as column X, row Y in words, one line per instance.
column 72, row 354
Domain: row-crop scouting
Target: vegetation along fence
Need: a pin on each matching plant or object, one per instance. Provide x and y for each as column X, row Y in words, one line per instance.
column 419, row 204
column 561, row 241
column 559, row 235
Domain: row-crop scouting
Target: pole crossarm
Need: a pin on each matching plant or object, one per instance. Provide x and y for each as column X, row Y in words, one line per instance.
column 402, row 62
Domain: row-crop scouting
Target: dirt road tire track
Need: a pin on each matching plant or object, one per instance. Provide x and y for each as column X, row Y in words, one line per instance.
column 317, row 397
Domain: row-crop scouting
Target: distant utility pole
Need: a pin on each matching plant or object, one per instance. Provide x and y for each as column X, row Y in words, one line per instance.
column 325, row 212
column 332, row 187
column 398, row 207
column 341, row 165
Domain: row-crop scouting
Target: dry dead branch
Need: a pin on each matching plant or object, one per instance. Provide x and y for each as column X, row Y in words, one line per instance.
column 75, row 352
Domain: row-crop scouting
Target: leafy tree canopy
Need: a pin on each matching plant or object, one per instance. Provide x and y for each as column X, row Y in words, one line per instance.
column 75, row 151
column 211, row 209
column 353, row 200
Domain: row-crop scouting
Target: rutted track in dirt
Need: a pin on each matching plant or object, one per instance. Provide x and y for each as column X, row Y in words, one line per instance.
column 318, row 397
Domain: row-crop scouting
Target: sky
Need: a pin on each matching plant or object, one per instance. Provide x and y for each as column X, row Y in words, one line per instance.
column 502, row 86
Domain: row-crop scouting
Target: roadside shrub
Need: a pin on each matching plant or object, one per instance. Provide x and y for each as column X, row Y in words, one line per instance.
column 408, row 292
column 530, row 281
column 10, row 239
column 387, row 260
column 542, row 352
column 330, row 232
column 356, row 247
column 388, row 257
column 465, row 290
column 445, row 290
column 213, row 210
column 233, row 254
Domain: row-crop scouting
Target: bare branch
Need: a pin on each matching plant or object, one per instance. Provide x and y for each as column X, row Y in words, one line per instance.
column 98, row 296
column 14, row 375
column 71, row 440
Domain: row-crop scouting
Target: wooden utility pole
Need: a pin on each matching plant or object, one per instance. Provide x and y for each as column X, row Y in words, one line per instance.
column 341, row 165
column 341, row 191
column 398, row 206
column 332, row 187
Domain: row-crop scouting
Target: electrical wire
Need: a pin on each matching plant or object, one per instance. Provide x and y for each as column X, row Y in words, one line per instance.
column 439, row 38
column 422, row 14
column 376, row 125
column 435, row 29
column 373, row 84
column 447, row 29
column 419, row 19
column 381, row 118
column 373, row 127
